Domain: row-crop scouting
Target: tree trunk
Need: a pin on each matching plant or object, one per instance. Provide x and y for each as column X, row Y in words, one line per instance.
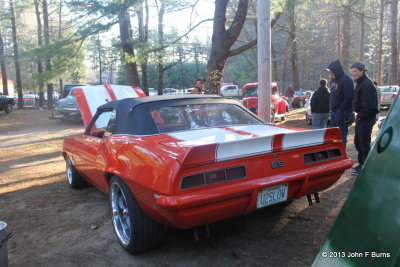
column 125, row 31
column 379, row 64
column 346, row 36
column 362, row 31
column 48, row 59
column 16, row 54
column 100, row 61
column 222, row 41
column 143, row 24
column 4, row 77
column 59, row 37
column 393, row 42
column 292, row 38
column 160, row 56
column 39, row 59
column 339, row 35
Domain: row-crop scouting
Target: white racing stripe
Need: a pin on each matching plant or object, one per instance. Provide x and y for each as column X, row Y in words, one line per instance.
column 262, row 130
column 122, row 91
column 244, row 148
column 303, row 139
column 233, row 145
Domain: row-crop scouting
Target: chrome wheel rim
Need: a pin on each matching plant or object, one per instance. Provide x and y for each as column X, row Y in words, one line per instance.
column 69, row 171
column 120, row 214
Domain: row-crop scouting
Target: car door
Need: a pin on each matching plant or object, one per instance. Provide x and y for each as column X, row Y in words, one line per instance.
column 92, row 139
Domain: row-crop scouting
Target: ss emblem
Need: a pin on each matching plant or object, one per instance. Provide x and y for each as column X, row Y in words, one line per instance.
column 276, row 164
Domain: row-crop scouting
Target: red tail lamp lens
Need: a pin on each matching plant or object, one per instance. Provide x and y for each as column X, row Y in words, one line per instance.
column 213, row 177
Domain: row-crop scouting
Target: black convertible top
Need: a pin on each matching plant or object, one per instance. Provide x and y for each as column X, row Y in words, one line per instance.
column 133, row 115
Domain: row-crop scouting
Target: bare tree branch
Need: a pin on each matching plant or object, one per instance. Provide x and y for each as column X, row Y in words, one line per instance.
column 250, row 44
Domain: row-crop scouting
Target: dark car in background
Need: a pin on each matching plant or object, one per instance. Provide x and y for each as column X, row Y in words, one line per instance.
column 6, row 103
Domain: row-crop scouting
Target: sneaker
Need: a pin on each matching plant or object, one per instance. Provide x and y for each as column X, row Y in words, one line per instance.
column 355, row 172
column 356, row 167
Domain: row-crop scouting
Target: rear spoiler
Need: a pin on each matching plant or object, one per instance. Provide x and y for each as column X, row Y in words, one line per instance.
column 217, row 152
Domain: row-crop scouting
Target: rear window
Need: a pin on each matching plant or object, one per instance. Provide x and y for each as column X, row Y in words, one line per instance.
column 251, row 91
column 389, row 89
column 189, row 117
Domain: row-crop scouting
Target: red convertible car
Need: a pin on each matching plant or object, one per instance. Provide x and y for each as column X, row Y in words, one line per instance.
column 190, row 160
column 279, row 105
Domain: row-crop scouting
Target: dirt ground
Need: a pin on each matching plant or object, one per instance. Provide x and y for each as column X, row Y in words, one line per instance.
column 57, row 226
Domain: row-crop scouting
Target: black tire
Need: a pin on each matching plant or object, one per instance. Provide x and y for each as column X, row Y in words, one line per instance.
column 8, row 109
column 74, row 179
column 143, row 233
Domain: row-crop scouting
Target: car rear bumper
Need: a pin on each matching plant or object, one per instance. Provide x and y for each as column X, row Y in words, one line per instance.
column 211, row 205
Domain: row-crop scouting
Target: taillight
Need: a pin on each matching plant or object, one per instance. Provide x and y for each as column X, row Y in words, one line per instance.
column 213, row 177
column 394, row 95
column 319, row 156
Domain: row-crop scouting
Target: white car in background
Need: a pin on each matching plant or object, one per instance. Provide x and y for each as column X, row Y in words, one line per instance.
column 152, row 92
column 389, row 94
column 231, row 91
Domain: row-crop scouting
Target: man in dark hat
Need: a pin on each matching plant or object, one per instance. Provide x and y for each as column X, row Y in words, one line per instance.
column 342, row 91
column 198, row 86
column 365, row 103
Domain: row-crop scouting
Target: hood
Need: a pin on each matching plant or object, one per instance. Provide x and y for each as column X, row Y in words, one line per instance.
column 89, row 98
column 337, row 69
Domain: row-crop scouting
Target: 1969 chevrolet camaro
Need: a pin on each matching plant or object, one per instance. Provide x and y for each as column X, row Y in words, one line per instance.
column 190, row 160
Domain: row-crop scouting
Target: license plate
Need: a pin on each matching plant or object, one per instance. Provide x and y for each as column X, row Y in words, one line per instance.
column 272, row 195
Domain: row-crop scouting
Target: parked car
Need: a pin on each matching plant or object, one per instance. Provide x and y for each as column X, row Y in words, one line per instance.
column 30, row 100
column 152, row 92
column 300, row 98
column 309, row 113
column 6, row 103
column 231, row 91
column 170, row 91
column 187, row 91
column 389, row 94
column 67, row 108
column 190, row 160
column 279, row 106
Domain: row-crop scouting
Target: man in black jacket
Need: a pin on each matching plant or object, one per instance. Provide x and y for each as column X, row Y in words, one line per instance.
column 342, row 91
column 365, row 103
column 320, row 106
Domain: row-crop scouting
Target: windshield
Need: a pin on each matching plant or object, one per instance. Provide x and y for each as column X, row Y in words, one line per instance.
column 249, row 91
column 389, row 89
column 299, row 93
column 189, row 117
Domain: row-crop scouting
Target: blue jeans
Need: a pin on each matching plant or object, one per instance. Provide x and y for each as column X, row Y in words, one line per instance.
column 319, row 120
column 362, row 139
column 341, row 119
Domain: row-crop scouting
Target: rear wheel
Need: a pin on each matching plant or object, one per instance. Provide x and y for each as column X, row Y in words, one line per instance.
column 73, row 177
column 136, row 231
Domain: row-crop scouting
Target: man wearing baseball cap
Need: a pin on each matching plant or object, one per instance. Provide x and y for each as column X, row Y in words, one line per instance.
column 365, row 104
column 342, row 91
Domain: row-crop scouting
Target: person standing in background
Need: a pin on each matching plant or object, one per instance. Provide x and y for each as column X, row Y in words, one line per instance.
column 289, row 94
column 320, row 106
column 198, row 86
column 365, row 103
column 379, row 92
column 341, row 97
